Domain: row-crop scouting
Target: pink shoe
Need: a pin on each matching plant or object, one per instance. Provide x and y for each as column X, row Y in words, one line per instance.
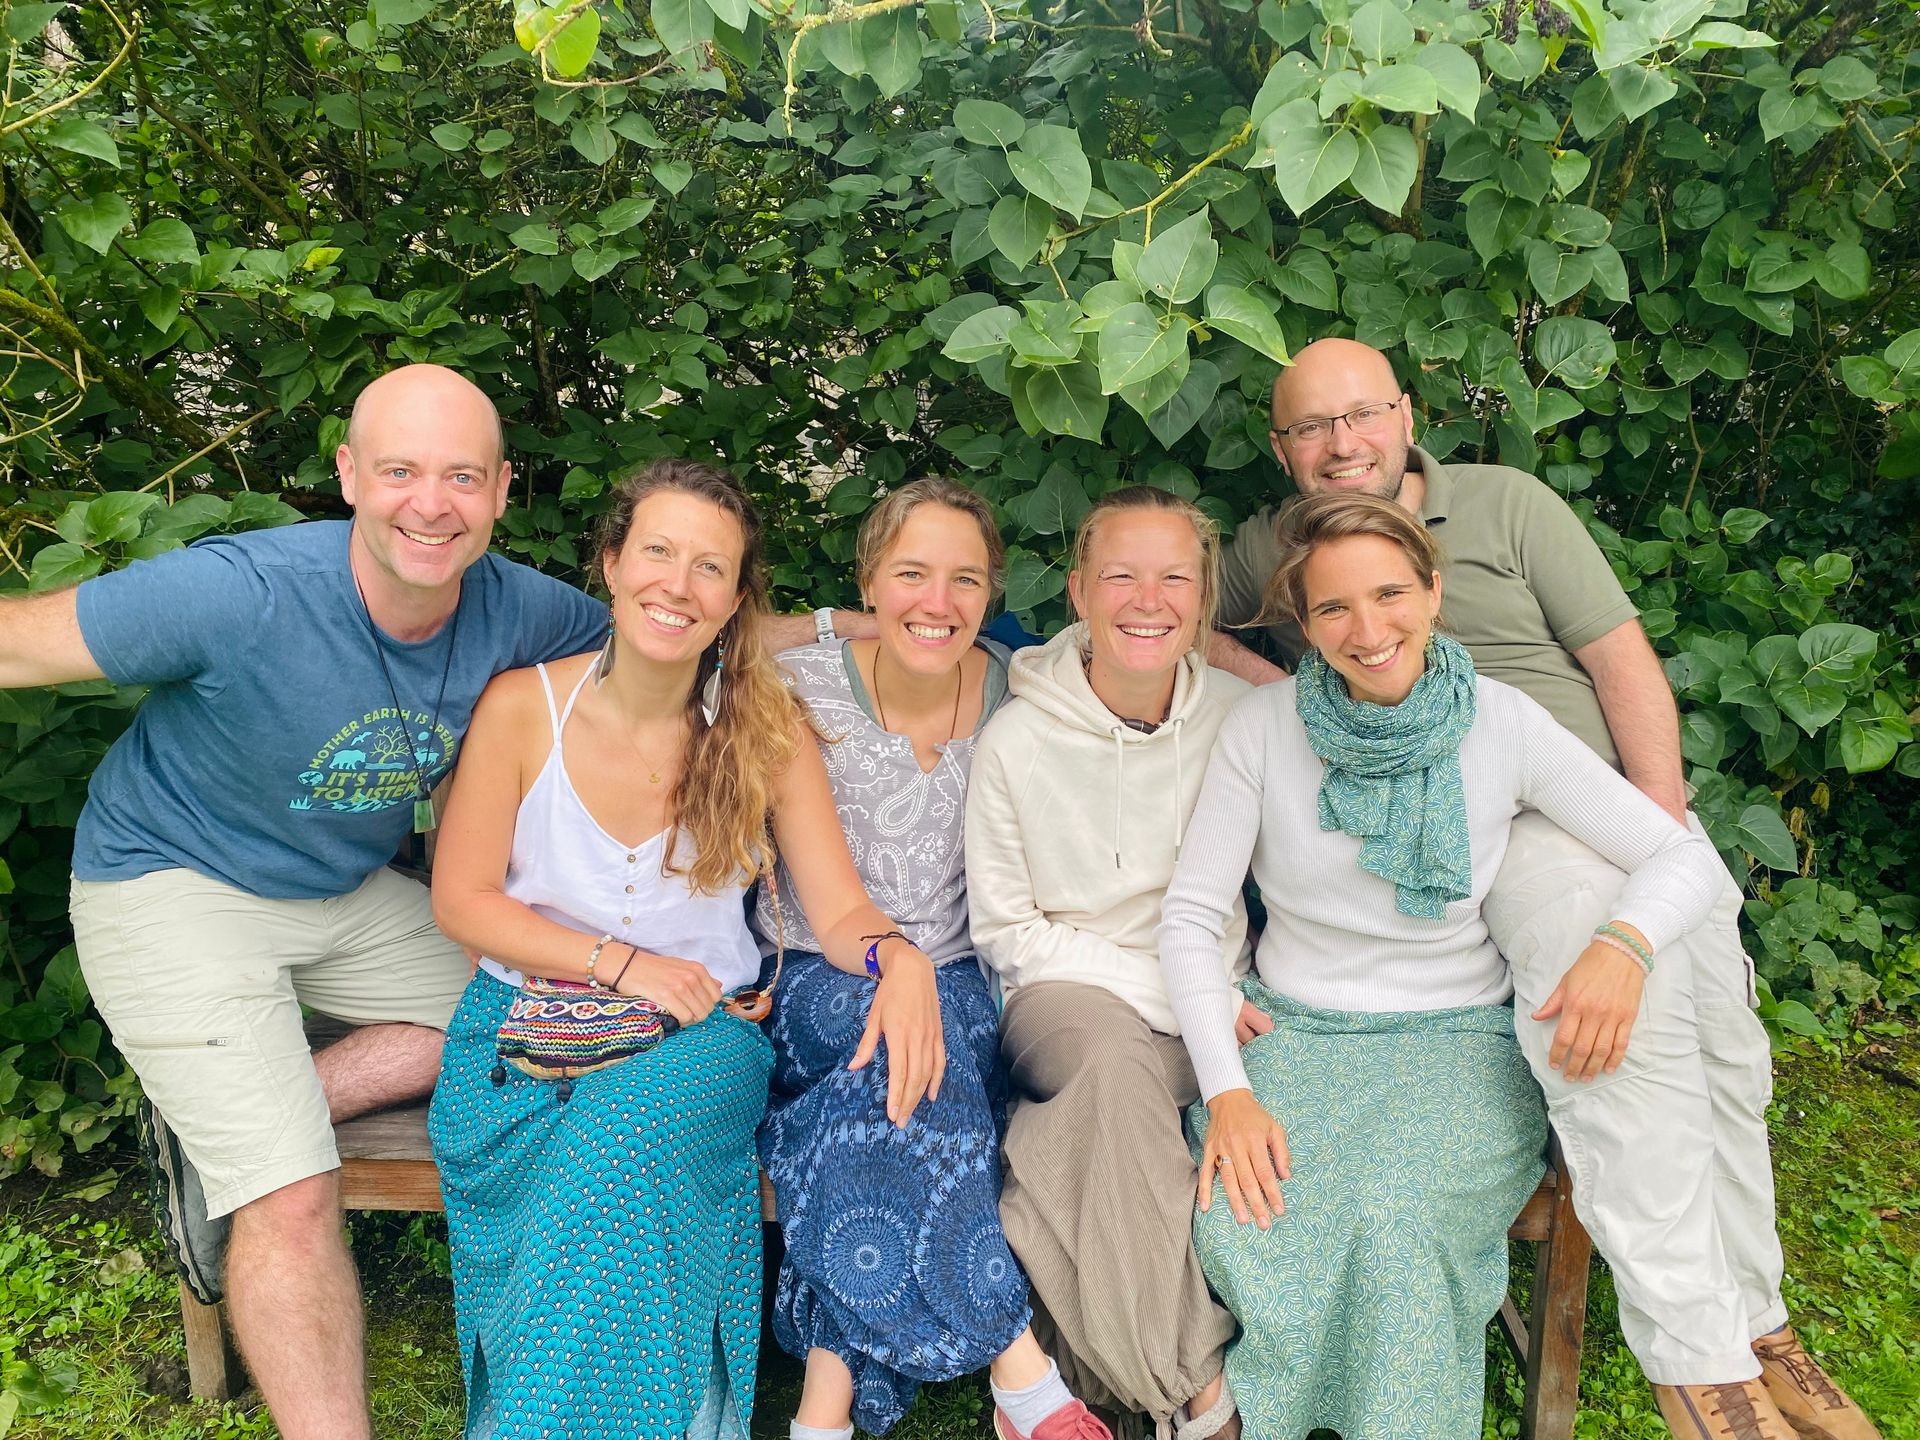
column 1072, row 1421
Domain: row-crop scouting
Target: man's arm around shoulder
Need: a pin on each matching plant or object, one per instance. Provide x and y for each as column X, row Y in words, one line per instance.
column 41, row 643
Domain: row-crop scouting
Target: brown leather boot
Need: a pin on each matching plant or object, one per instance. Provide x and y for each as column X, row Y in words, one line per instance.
column 1806, row 1394
column 1738, row 1410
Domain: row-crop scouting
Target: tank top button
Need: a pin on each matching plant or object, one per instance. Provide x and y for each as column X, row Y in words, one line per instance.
column 631, row 859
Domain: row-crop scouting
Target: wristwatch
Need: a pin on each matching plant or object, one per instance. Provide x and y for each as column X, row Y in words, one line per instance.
column 823, row 625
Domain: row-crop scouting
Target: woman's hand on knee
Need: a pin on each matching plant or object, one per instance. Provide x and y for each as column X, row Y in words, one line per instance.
column 1247, row 1149
column 1597, row 1001
column 906, row 1014
column 684, row 989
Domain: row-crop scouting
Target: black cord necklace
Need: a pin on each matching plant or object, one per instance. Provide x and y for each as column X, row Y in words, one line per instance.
column 422, row 796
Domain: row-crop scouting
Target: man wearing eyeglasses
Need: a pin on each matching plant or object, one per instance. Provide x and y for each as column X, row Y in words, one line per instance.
column 1687, row 1221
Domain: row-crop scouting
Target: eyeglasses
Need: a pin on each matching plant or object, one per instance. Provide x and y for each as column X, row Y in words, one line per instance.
column 1363, row 421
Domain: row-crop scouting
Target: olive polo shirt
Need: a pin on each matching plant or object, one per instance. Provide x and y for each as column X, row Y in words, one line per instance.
column 1524, row 585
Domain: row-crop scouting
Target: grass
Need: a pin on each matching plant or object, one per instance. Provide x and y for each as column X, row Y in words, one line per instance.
column 90, row 1343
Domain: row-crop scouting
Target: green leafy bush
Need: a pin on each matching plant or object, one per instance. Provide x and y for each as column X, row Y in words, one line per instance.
column 1658, row 251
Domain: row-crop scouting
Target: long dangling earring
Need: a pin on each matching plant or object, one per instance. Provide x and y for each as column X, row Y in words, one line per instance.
column 604, row 666
column 720, row 655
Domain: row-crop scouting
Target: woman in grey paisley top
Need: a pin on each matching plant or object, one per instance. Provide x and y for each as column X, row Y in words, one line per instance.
column 896, row 1271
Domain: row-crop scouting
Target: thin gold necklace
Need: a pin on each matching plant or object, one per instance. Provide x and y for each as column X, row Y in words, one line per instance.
column 653, row 769
column 959, row 687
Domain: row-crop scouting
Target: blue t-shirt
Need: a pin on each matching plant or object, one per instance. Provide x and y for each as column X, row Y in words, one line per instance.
column 268, row 753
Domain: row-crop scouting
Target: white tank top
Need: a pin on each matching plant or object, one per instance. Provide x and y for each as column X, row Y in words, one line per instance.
column 566, row 868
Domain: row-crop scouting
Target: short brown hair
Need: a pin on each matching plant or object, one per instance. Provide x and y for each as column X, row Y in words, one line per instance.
column 1152, row 497
column 885, row 521
column 1309, row 521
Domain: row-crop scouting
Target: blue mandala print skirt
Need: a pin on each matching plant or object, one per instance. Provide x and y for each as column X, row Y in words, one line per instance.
column 895, row 1261
column 606, row 1250
column 1416, row 1138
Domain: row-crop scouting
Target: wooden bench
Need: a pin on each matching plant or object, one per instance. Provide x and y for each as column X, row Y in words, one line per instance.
column 386, row 1164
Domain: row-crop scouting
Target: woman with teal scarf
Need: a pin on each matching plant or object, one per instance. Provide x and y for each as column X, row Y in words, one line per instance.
column 1373, row 1149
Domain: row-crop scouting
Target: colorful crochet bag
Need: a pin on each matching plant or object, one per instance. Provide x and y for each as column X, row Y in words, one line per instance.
column 562, row 1029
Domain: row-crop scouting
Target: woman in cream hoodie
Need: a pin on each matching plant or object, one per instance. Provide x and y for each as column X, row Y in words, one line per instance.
column 1082, row 788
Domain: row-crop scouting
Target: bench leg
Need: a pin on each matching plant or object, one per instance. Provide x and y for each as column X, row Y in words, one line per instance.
column 213, row 1370
column 1557, row 1325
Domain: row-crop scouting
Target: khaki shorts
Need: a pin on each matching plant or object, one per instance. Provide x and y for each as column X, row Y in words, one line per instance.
column 202, row 984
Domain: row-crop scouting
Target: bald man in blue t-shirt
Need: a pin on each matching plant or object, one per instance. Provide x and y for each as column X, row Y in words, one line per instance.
column 308, row 687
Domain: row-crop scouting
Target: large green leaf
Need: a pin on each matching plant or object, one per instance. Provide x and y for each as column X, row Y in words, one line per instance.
column 1764, row 835
column 1455, row 73
column 1497, row 220
column 682, row 24
column 1556, row 273
column 1578, row 353
column 1640, row 88
column 1018, row 224
column 1032, row 579
column 981, row 335
column 1179, row 261
column 1251, row 317
column 1136, row 343
column 988, row 122
column 1384, row 167
column 1380, row 30
column 891, row 47
column 1310, row 160
column 1841, row 653
column 166, row 241
column 1067, row 400
column 95, row 221
column 1183, row 411
column 1410, row 88
column 82, row 137
column 1050, row 163
column 1843, row 271
column 570, row 50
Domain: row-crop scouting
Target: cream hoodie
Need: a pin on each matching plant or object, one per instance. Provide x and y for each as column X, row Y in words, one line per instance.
column 1074, row 821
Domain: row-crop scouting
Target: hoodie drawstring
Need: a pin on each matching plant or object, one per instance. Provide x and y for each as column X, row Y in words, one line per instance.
column 1119, row 788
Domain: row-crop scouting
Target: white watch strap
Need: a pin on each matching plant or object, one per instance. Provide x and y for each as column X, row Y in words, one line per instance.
column 823, row 625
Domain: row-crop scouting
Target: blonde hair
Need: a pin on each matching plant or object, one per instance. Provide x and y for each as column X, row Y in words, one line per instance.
column 1151, row 497
column 884, row 522
column 1309, row 521
column 725, row 791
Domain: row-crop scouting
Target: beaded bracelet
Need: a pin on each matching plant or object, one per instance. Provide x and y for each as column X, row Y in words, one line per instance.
column 593, row 959
column 1619, row 939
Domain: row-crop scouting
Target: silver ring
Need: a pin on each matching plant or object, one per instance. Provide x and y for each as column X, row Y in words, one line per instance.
column 1220, row 1160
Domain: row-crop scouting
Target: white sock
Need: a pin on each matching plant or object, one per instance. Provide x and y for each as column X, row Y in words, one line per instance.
column 797, row 1431
column 1028, row 1406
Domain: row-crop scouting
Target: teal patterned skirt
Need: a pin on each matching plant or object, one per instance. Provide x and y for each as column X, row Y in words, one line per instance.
column 1416, row 1138
column 606, row 1247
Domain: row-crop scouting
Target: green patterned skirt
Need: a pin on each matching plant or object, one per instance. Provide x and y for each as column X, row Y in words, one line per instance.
column 1416, row 1138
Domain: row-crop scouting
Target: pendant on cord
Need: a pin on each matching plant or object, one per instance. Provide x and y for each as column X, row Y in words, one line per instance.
column 423, row 815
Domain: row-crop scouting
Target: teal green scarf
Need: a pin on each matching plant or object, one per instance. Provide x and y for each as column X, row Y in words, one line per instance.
column 1393, row 774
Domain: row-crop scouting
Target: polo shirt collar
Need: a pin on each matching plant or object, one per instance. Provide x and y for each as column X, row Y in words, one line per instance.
column 1437, row 502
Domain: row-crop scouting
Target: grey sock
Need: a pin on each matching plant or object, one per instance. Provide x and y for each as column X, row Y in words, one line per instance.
column 797, row 1431
column 1027, row 1407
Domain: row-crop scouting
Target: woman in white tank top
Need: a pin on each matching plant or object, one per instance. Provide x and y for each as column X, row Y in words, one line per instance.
column 607, row 816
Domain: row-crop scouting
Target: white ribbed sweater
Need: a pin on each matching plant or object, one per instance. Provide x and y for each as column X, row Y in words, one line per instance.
column 1334, row 940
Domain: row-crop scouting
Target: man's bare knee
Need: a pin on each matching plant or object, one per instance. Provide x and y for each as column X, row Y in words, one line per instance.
column 307, row 1209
